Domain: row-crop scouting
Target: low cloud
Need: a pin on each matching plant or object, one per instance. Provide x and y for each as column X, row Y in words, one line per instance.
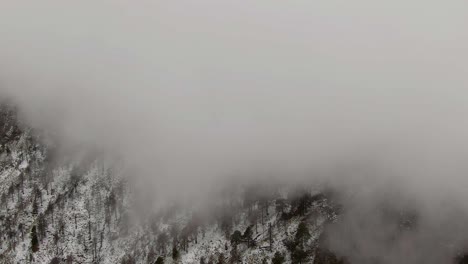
column 191, row 93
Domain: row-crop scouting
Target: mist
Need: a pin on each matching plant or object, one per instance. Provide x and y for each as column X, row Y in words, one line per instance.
column 363, row 96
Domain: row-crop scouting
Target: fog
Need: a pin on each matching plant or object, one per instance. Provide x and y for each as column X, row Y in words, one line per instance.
column 363, row 95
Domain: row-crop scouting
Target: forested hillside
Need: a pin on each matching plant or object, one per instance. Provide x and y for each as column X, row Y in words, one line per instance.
column 57, row 209
column 80, row 208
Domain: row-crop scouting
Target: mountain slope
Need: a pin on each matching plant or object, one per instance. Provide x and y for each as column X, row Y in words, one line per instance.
column 77, row 209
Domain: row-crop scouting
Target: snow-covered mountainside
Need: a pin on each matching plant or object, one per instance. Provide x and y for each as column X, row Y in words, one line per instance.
column 79, row 210
column 58, row 207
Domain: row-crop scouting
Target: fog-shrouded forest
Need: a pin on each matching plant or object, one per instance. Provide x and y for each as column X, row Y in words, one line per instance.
column 233, row 132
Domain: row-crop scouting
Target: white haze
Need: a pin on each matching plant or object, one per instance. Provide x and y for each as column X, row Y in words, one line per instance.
column 364, row 94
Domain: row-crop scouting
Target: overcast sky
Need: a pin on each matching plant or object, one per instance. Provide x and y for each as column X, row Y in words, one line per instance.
column 364, row 94
column 192, row 91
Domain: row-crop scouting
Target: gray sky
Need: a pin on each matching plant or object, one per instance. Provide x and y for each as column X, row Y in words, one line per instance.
column 364, row 94
column 199, row 89
column 190, row 92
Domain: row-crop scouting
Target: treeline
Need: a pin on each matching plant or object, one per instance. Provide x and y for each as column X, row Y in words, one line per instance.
column 263, row 209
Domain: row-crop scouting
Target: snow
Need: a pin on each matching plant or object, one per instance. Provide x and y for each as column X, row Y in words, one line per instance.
column 24, row 164
column 86, row 205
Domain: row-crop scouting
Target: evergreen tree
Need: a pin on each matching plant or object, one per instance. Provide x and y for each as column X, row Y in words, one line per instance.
column 41, row 226
column 160, row 260
column 270, row 236
column 278, row 258
column 34, row 240
column 236, row 238
column 202, row 260
column 301, row 203
column 299, row 256
column 175, row 253
column 211, row 260
column 302, row 233
column 34, row 208
column 248, row 235
column 221, row 259
column 4, row 200
column 297, row 247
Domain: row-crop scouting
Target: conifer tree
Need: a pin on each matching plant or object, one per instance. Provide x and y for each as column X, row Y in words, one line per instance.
column 175, row 253
column 202, row 260
column 278, row 258
column 211, row 260
column 302, row 233
column 248, row 235
column 34, row 240
column 236, row 238
column 160, row 260
column 221, row 259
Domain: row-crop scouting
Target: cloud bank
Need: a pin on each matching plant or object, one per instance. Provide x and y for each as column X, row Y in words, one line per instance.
column 360, row 94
